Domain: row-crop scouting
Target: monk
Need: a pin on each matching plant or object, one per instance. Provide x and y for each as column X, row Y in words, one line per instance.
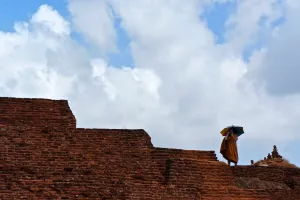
column 229, row 147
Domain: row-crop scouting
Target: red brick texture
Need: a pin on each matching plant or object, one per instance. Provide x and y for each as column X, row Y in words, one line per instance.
column 44, row 156
column 289, row 177
column 36, row 113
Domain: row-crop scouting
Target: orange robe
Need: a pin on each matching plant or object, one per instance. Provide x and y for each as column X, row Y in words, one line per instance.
column 229, row 148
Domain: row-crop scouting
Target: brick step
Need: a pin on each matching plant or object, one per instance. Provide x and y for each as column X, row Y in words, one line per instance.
column 213, row 171
column 212, row 164
column 167, row 153
column 228, row 196
column 233, row 192
column 232, row 198
column 184, row 153
column 217, row 177
column 208, row 184
column 223, row 196
column 203, row 158
column 216, row 173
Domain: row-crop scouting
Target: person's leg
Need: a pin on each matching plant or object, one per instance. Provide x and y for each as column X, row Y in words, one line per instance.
column 228, row 162
column 235, row 164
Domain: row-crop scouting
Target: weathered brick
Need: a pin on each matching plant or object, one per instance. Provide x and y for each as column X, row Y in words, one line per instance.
column 44, row 156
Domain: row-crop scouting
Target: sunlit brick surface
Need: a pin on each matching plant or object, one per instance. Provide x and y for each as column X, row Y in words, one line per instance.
column 44, row 156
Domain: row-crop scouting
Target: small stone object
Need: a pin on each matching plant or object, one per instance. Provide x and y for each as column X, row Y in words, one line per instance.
column 269, row 156
column 275, row 153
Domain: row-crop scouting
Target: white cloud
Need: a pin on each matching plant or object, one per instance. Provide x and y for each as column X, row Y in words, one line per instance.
column 24, row 67
column 184, row 88
column 51, row 20
column 251, row 21
column 94, row 20
column 280, row 67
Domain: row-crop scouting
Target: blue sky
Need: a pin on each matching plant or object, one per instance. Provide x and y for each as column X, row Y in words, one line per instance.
column 216, row 16
column 12, row 11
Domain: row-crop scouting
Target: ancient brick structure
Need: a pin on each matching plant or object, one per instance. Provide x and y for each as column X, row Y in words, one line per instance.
column 274, row 160
column 44, row 156
column 40, row 113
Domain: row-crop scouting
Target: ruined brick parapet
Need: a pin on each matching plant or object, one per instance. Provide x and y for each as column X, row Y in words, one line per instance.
column 39, row 113
column 281, row 183
column 275, row 174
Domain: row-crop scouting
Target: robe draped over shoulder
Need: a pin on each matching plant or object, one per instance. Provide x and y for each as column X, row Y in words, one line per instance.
column 229, row 148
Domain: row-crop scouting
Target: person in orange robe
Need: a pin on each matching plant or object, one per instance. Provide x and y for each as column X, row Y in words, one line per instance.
column 229, row 147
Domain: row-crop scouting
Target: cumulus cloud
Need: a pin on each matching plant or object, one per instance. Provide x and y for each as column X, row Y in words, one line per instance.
column 94, row 20
column 24, row 67
column 184, row 87
column 251, row 22
column 280, row 68
column 50, row 20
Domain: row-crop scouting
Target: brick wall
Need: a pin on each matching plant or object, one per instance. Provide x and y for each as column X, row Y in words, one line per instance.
column 166, row 158
column 179, row 153
column 36, row 113
column 289, row 177
column 80, row 164
column 87, row 163
column 274, row 174
column 44, row 156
